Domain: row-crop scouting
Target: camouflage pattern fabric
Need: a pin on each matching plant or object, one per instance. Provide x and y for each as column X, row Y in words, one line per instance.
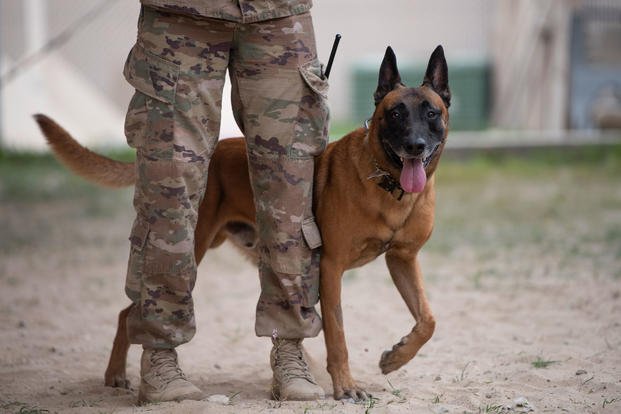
column 241, row 11
column 177, row 67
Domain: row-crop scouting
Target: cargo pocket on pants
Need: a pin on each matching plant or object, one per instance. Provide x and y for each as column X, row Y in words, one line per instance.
column 162, row 117
column 150, row 119
column 311, row 233
column 311, row 127
column 310, row 278
column 135, row 267
column 291, row 256
column 151, row 74
column 161, row 274
column 298, row 266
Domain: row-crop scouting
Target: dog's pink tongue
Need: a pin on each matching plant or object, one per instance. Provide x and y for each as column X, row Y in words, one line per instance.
column 413, row 176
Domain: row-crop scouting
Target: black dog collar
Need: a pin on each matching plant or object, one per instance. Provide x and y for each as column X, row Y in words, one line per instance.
column 386, row 181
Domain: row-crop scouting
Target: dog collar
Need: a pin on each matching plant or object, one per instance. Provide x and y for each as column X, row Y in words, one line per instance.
column 386, row 181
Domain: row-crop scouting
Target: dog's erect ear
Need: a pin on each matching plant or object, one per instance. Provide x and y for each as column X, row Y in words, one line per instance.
column 436, row 76
column 388, row 76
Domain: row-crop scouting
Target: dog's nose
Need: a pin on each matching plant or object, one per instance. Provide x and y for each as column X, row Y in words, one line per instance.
column 415, row 147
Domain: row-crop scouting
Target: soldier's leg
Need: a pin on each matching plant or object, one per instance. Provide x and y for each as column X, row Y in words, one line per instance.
column 177, row 67
column 284, row 115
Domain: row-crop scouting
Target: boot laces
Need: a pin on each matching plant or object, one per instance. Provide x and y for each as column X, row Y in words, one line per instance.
column 290, row 359
column 165, row 366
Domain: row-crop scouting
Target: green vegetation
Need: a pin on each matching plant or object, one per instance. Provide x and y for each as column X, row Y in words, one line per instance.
column 530, row 213
column 39, row 177
column 527, row 213
column 35, row 190
column 491, row 409
column 477, row 164
column 542, row 363
column 338, row 129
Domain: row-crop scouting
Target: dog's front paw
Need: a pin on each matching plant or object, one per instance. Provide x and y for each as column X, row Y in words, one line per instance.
column 117, row 381
column 350, row 391
column 393, row 359
column 356, row 394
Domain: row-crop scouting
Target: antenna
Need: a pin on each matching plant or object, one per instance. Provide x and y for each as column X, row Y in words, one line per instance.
column 335, row 46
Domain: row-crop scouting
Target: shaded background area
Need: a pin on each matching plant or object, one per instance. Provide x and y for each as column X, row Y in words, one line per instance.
column 547, row 65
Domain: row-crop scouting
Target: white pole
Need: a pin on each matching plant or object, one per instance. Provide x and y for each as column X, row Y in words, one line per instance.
column 35, row 34
column 35, row 14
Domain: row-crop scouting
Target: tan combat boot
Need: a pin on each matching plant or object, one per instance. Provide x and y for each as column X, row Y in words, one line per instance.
column 292, row 379
column 162, row 379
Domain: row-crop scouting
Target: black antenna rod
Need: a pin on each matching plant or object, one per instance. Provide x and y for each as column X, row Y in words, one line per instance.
column 335, row 45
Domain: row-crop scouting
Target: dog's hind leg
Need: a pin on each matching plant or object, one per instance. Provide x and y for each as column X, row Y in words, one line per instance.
column 406, row 274
column 115, row 373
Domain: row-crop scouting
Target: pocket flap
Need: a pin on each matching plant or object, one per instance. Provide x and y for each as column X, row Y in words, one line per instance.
column 139, row 233
column 311, row 233
column 313, row 76
column 151, row 75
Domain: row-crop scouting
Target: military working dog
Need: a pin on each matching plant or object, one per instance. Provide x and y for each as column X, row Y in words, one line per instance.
column 373, row 194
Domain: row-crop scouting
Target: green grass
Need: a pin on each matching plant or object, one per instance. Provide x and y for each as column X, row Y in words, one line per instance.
column 544, row 204
column 531, row 163
column 397, row 392
column 517, row 213
column 34, row 187
column 543, row 363
column 21, row 408
column 35, row 176
column 369, row 404
column 608, row 401
column 39, row 177
column 491, row 408
column 338, row 129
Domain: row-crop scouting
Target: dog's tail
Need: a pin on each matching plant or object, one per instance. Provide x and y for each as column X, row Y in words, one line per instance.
column 84, row 162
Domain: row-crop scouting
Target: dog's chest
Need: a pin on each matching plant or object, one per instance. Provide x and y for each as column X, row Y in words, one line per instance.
column 370, row 249
column 381, row 233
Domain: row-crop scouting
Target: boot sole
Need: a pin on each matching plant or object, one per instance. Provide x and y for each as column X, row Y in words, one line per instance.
column 276, row 395
column 192, row 396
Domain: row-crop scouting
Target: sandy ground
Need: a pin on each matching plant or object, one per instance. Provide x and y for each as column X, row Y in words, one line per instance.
column 516, row 275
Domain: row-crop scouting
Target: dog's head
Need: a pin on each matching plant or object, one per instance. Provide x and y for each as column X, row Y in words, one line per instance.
column 412, row 123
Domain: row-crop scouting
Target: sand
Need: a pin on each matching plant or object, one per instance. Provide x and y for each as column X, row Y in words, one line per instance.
column 522, row 324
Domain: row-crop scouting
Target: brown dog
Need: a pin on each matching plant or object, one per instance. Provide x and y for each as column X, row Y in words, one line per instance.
column 374, row 194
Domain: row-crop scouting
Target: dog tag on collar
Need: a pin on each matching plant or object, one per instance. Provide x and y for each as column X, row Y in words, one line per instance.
column 377, row 173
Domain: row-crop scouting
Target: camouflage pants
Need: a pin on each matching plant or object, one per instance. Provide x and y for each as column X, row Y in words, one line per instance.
column 178, row 67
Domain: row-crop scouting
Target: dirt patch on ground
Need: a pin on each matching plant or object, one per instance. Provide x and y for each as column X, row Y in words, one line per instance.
column 523, row 274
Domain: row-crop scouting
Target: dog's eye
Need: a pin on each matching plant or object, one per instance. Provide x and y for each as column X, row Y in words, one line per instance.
column 431, row 114
column 395, row 115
